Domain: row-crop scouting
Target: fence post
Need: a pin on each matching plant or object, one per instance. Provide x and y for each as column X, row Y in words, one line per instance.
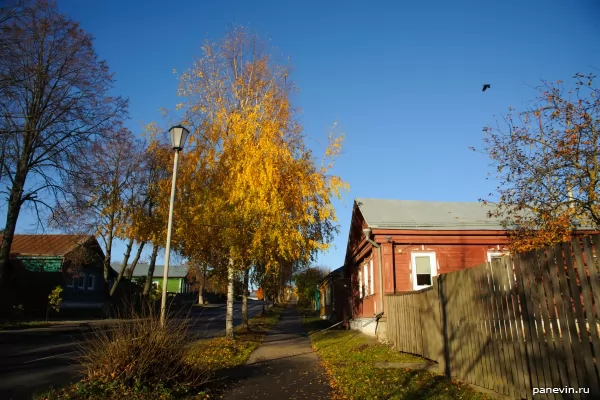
column 439, row 342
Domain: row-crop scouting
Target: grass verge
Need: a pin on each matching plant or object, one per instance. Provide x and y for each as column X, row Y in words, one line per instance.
column 142, row 361
column 6, row 326
column 222, row 353
column 349, row 358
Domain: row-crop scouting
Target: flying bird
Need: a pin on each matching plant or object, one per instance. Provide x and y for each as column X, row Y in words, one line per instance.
column 486, row 86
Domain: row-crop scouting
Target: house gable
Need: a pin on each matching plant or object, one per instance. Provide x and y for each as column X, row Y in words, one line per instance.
column 356, row 239
column 56, row 253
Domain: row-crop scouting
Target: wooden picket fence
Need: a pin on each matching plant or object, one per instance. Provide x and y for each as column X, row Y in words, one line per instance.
column 522, row 322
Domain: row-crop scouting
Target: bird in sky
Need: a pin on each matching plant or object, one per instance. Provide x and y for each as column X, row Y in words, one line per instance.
column 486, row 86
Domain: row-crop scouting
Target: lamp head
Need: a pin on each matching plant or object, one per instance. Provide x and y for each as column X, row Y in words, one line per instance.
column 178, row 136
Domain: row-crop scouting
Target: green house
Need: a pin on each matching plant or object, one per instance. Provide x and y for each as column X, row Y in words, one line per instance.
column 42, row 262
column 176, row 281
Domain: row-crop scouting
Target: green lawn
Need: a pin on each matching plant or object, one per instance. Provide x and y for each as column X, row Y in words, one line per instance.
column 350, row 358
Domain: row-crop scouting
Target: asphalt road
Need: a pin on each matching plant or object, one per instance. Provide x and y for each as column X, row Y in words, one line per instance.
column 34, row 361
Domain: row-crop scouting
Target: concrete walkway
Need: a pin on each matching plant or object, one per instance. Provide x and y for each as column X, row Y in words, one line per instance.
column 283, row 367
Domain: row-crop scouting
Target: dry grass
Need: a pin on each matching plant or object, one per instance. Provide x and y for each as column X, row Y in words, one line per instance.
column 137, row 358
column 142, row 353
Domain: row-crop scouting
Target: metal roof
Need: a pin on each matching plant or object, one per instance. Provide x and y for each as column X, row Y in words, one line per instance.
column 46, row 245
column 428, row 215
column 141, row 269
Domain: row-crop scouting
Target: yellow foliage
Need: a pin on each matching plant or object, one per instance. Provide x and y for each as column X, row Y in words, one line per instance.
column 248, row 187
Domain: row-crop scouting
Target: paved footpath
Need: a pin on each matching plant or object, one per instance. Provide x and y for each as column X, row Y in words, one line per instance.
column 283, row 367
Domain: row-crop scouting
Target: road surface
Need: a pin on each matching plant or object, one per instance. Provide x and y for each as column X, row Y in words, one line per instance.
column 34, row 361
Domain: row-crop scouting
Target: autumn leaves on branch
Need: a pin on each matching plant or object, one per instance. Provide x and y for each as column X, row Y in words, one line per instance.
column 547, row 162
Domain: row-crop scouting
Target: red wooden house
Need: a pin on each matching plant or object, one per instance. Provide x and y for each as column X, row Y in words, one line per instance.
column 399, row 245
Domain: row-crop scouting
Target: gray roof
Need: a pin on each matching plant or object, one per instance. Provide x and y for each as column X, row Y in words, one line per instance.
column 432, row 215
column 141, row 269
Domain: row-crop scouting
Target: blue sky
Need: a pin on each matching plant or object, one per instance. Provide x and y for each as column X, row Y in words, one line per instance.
column 402, row 78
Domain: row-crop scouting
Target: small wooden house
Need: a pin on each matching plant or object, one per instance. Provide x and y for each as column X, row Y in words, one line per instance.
column 42, row 262
column 176, row 281
column 399, row 245
column 332, row 295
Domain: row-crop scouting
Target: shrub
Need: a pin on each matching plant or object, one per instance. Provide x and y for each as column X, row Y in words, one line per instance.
column 54, row 300
column 142, row 355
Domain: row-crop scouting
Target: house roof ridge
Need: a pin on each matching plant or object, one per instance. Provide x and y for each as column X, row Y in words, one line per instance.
column 49, row 245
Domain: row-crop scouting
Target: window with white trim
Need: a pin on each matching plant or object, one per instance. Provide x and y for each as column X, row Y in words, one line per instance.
column 360, row 284
column 91, row 282
column 424, row 268
column 495, row 255
column 367, row 279
column 81, row 281
column 372, row 276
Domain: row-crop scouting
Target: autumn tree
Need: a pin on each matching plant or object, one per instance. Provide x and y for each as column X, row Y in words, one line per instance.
column 101, row 194
column 151, row 218
column 248, row 173
column 548, row 162
column 54, row 107
column 307, row 281
column 260, row 294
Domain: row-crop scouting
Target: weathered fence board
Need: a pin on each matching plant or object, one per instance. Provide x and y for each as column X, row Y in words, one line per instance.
column 525, row 321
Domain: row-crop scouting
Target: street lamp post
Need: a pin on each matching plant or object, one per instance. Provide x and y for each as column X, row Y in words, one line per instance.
column 178, row 136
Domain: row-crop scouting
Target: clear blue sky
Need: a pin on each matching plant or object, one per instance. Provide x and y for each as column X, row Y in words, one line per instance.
column 402, row 78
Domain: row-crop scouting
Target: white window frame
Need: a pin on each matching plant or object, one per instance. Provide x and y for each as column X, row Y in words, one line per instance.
column 360, row 283
column 372, row 291
column 491, row 254
column 80, row 282
column 93, row 285
column 366, row 274
column 413, row 267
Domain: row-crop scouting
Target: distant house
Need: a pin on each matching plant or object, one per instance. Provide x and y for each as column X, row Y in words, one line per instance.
column 417, row 240
column 176, row 281
column 333, row 290
column 73, row 262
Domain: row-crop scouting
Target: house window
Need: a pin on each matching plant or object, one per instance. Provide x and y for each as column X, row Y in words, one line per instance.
column 372, row 278
column 81, row 281
column 493, row 256
column 424, row 268
column 367, row 279
column 90, row 282
column 360, row 284
column 70, row 281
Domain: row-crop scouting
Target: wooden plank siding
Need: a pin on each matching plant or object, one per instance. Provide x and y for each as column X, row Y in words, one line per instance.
column 523, row 322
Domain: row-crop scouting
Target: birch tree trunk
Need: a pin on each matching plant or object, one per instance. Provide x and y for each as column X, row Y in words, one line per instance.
column 245, row 299
column 135, row 261
column 148, row 284
column 229, row 312
column 202, row 284
column 123, row 266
